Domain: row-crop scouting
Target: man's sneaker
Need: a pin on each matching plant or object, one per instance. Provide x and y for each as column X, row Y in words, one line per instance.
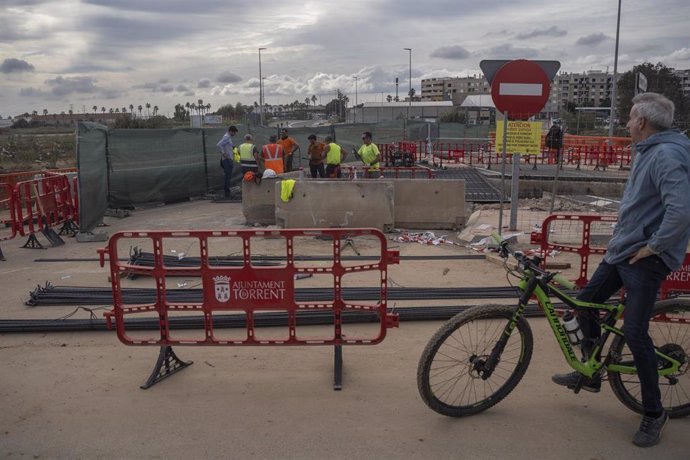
column 650, row 430
column 571, row 380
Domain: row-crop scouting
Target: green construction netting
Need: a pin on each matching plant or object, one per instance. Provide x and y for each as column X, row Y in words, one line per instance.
column 126, row 168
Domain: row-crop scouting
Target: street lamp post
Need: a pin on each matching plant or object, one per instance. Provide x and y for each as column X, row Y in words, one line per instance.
column 410, row 90
column 354, row 112
column 261, row 91
column 614, row 88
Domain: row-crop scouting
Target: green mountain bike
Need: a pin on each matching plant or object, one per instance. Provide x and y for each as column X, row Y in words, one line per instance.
column 477, row 357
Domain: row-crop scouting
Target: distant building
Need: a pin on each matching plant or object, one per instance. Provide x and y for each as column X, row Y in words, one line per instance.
column 67, row 119
column 454, row 89
column 684, row 76
column 587, row 89
column 374, row 112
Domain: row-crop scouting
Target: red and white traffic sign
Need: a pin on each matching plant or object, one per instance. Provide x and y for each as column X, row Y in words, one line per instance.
column 520, row 88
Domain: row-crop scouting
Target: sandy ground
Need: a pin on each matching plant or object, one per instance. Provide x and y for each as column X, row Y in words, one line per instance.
column 76, row 395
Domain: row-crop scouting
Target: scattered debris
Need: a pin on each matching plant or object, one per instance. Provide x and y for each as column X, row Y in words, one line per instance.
column 422, row 238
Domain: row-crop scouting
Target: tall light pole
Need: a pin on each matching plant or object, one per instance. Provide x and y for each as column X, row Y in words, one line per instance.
column 261, row 91
column 614, row 86
column 410, row 91
column 354, row 112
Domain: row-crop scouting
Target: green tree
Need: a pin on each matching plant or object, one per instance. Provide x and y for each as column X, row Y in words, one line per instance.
column 660, row 79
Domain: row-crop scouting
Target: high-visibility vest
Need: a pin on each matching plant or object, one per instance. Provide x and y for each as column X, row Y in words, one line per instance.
column 273, row 157
column 247, row 152
column 333, row 155
column 369, row 154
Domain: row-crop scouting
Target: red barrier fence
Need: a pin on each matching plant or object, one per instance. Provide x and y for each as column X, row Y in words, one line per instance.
column 42, row 204
column 8, row 219
column 590, row 151
column 586, row 238
column 249, row 291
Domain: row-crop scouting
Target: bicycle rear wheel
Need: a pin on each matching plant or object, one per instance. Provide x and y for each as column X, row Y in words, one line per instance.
column 451, row 376
column 670, row 331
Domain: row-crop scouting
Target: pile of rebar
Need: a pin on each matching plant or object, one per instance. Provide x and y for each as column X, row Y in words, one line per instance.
column 72, row 295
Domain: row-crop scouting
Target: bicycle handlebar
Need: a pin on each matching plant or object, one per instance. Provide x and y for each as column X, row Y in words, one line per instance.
column 530, row 264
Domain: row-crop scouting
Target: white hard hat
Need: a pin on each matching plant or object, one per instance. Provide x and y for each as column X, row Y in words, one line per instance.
column 269, row 173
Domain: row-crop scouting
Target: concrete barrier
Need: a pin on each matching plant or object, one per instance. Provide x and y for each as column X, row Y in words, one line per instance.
column 429, row 204
column 382, row 204
column 337, row 203
column 258, row 202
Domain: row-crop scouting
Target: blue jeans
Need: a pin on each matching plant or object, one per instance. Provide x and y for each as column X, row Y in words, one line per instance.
column 641, row 281
column 227, row 170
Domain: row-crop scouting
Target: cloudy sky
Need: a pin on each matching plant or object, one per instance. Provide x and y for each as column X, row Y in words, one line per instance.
column 64, row 54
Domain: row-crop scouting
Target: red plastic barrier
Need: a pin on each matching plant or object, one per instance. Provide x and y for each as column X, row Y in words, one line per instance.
column 43, row 203
column 248, row 288
column 8, row 219
column 676, row 282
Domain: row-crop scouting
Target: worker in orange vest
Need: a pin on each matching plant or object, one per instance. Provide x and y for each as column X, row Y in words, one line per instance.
column 273, row 155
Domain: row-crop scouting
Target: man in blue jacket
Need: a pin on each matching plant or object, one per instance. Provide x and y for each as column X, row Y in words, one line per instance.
column 649, row 241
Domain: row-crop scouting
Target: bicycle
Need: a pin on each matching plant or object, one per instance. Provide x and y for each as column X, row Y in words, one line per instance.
column 478, row 357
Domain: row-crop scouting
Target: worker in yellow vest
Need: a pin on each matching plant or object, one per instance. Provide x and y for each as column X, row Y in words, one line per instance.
column 273, row 155
column 249, row 155
column 334, row 155
column 370, row 156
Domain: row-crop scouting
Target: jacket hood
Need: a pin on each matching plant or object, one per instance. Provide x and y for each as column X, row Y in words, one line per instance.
column 672, row 136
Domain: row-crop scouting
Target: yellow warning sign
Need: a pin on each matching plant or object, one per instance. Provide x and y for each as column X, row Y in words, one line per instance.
column 524, row 137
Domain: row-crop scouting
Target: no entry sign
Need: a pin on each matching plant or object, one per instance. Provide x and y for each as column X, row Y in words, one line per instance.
column 520, row 87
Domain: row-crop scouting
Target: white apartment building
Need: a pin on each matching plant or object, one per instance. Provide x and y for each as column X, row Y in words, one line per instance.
column 454, row 89
column 684, row 76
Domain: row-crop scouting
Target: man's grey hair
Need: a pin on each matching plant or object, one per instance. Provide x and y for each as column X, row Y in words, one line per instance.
column 656, row 108
column 247, row 137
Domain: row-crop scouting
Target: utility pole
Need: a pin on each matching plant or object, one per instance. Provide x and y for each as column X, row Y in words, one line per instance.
column 261, row 92
column 614, row 87
column 409, row 106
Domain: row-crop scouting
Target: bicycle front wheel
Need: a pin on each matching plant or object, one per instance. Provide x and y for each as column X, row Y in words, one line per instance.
column 670, row 332
column 451, row 376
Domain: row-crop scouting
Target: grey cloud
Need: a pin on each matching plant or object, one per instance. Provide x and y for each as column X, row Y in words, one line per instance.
column 593, row 39
column 167, row 88
column 189, row 94
column 161, row 6
column 228, row 77
column 32, row 92
column 511, row 52
column 182, row 89
column 451, row 52
column 204, row 83
column 552, row 31
column 62, row 86
column 12, row 65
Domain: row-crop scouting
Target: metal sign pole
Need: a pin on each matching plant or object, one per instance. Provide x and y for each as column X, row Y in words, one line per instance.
column 514, row 191
column 503, row 173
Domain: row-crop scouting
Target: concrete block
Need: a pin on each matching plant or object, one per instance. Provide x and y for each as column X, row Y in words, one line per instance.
column 429, row 204
column 258, row 202
column 337, row 203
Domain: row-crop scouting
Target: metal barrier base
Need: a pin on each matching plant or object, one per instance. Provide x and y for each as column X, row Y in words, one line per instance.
column 33, row 243
column 168, row 363
column 2, row 257
column 338, row 368
column 69, row 228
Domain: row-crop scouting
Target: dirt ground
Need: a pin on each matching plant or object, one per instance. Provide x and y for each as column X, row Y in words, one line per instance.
column 77, row 396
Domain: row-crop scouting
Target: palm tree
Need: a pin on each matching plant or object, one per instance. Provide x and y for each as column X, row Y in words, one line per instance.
column 103, row 109
column 34, row 113
column 111, row 110
column 117, row 110
column 139, row 108
column 124, row 109
column 45, row 112
column 314, row 99
column 155, row 110
column 148, row 106
column 95, row 109
column 131, row 107
column 389, row 98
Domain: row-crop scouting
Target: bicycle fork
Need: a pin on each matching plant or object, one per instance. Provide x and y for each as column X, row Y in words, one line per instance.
column 495, row 356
